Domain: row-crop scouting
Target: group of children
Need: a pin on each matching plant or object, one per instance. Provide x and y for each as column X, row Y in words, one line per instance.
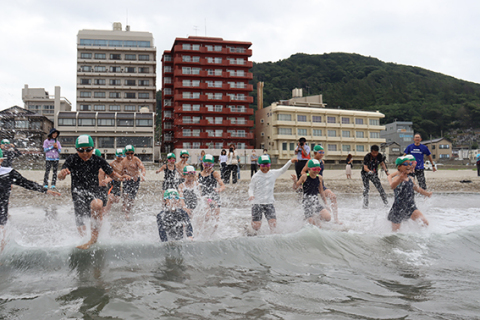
column 96, row 184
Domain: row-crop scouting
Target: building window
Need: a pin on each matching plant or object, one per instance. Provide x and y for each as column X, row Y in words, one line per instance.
column 196, row 47
column 130, row 95
column 284, row 117
column 345, row 120
column 358, row 121
column 85, row 81
column 144, row 83
column 100, row 82
column 85, row 94
column 130, row 69
column 360, row 148
column 100, row 56
column 167, row 69
column 167, row 80
column 85, row 107
column 331, row 120
column 374, row 135
column 85, row 56
column 130, row 57
column 143, row 70
column 100, row 69
column 345, row 134
column 85, row 68
column 115, row 69
column 301, row 118
column 115, row 82
column 359, row 134
column 316, row 132
column 144, row 95
column 21, row 124
column 115, row 56
column 165, row 57
column 284, row 146
column 99, row 94
column 86, row 122
column 285, row 131
column 114, row 95
column 146, row 57
column 125, row 122
column 302, row 132
column 316, row 118
column 444, row 146
column 99, row 108
column 106, row 142
column 444, row 156
column 332, row 133
column 374, row 122
column 144, row 122
column 106, row 123
column 346, row 147
column 186, row 58
column 130, row 82
column 332, row 147
column 66, row 122
column 130, row 108
column 186, row 70
column 114, row 108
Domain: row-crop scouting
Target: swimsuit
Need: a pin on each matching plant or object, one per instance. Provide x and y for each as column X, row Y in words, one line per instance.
column 208, row 184
column 170, row 182
column 311, row 202
column 404, row 203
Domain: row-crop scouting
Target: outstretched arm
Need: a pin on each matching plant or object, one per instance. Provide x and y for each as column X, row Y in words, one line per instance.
column 421, row 191
column 161, row 168
column 217, row 177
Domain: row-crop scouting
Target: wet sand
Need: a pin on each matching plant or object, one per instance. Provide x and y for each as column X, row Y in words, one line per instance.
column 443, row 181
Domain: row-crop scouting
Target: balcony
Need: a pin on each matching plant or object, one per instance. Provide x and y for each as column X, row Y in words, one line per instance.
column 239, row 135
column 191, row 135
column 237, row 123
column 183, row 110
column 203, row 50
column 190, row 122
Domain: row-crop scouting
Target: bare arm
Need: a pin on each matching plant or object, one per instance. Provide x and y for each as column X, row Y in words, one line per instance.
column 320, row 189
column 421, row 191
column 433, row 163
column 394, row 182
column 216, row 175
column 161, row 168
column 300, row 181
column 384, row 167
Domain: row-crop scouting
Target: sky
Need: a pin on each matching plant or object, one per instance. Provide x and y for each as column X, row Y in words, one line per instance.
column 39, row 37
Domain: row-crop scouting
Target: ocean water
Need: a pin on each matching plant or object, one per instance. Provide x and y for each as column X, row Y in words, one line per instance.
column 356, row 270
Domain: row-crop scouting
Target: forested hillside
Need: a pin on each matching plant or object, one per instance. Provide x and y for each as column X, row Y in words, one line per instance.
column 433, row 101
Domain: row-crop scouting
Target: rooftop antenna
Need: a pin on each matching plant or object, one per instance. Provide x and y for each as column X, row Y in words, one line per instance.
column 195, row 28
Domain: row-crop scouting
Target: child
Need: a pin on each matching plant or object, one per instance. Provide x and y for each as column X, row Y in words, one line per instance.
column 184, row 155
column 260, row 192
column 190, row 189
column 52, row 149
column 404, row 204
column 209, row 180
column 312, row 187
column 173, row 218
column 170, row 181
column 9, row 176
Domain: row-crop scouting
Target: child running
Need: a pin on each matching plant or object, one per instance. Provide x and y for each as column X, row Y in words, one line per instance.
column 190, row 189
column 313, row 186
column 184, row 155
column 172, row 220
column 208, row 180
column 260, row 192
column 115, row 187
column 133, row 167
column 404, row 206
column 318, row 153
column 170, row 181
column 9, row 176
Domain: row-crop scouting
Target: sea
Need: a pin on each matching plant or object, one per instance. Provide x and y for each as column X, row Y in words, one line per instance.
column 358, row 269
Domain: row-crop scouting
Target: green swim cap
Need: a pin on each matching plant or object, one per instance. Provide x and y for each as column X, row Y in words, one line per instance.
column 1, row 154
column 187, row 169
column 401, row 160
column 171, row 194
column 171, row 155
column 312, row 163
column 264, row 159
column 5, row 141
column 119, row 153
column 318, row 148
column 410, row 157
column 98, row 153
column 129, row 148
column 84, row 141
column 208, row 158
column 184, row 152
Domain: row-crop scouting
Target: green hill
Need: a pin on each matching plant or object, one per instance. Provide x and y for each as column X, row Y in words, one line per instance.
column 433, row 101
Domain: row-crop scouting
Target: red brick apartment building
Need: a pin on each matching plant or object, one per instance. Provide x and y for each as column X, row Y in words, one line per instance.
column 206, row 94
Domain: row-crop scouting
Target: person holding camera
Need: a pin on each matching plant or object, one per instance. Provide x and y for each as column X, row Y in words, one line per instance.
column 232, row 166
column 303, row 155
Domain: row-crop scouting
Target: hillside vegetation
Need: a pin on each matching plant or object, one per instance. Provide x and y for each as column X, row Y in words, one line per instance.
column 434, row 102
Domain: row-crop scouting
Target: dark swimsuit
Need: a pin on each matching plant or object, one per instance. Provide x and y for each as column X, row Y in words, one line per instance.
column 190, row 198
column 170, row 181
column 208, row 184
column 404, row 203
column 311, row 203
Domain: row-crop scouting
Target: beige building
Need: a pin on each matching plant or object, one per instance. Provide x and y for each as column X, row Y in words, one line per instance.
column 116, row 88
column 39, row 101
column 341, row 132
column 440, row 148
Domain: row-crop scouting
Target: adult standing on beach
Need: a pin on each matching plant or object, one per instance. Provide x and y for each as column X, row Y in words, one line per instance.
column 232, row 166
column 84, row 167
column 370, row 173
column 348, row 167
column 418, row 150
column 303, row 155
column 223, row 162
column 253, row 165
column 52, row 149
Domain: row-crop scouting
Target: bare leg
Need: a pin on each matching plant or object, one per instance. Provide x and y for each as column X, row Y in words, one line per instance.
column 333, row 199
column 314, row 221
column 111, row 200
column 256, row 225
column 272, row 223
column 416, row 215
column 97, row 209
column 127, row 206
column 325, row 215
column 395, row 226
column 82, row 230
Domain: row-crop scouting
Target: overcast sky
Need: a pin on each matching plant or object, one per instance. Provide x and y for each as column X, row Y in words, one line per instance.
column 38, row 38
